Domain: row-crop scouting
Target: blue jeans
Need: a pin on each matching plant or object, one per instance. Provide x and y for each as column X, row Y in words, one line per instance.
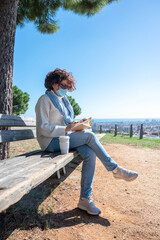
column 89, row 147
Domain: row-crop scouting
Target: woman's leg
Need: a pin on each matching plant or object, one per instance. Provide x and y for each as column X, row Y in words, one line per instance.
column 89, row 138
column 88, row 168
column 81, row 138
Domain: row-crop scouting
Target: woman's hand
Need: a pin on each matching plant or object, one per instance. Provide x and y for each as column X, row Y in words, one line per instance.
column 70, row 126
column 73, row 124
column 84, row 119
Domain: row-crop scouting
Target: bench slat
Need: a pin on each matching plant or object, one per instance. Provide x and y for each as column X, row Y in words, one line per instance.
column 10, row 120
column 16, row 135
column 35, row 162
column 22, row 165
column 22, row 182
column 12, row 163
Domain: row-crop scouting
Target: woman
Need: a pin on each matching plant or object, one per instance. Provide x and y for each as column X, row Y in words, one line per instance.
column 54, row 117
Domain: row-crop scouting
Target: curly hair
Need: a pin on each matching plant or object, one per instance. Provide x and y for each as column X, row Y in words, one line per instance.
column 57, row 76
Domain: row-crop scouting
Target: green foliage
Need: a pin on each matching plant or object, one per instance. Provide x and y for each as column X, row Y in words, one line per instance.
column 76, row 107
column 87, row 7
column 20, row 101
column 43, row 12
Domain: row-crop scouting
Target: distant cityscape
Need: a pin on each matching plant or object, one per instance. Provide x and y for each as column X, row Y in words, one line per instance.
column 151, row 127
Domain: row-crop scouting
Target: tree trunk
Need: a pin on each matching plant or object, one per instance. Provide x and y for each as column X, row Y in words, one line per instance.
column 8, row 16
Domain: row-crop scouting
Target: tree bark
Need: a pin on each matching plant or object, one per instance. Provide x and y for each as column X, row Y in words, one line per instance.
column 8, row 17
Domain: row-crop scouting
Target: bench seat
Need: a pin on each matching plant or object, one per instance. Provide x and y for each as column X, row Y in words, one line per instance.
column 20, row 174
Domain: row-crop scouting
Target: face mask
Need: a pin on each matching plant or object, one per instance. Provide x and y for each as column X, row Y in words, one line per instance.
column 61, row 92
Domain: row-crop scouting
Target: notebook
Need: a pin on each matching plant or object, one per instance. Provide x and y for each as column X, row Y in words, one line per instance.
column 83, row 125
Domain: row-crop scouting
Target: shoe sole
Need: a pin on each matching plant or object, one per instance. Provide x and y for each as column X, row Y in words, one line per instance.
column 128, row 180
column 91, row 213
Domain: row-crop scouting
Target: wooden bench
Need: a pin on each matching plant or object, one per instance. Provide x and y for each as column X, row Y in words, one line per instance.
column 20, row 174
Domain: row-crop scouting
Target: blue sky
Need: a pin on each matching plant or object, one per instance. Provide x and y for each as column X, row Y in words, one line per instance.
column 113, row 55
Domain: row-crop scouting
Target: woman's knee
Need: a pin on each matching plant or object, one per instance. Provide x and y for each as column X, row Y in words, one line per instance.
column 86, row 152
column 90, row 135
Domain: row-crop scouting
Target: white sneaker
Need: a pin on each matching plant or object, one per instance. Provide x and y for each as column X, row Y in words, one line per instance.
column 88, row 205
column 122, row 173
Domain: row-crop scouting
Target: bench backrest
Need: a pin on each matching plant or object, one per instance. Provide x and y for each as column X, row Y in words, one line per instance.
column 14, row 122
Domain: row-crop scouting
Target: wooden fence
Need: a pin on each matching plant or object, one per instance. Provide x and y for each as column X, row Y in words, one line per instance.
column 141, row 133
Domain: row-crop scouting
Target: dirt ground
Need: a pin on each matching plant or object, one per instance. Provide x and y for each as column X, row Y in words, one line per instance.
column 130, row 211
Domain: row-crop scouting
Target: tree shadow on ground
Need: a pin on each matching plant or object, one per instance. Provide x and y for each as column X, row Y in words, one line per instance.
column 25, row 215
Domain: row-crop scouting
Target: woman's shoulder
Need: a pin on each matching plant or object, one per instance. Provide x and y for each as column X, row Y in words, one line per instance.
column 44, row 99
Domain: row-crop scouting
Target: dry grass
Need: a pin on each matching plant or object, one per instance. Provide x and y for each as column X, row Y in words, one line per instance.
column 20, row 147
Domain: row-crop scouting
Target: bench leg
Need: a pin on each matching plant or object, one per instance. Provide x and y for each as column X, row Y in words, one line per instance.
column 64, row 170
column 58, row 174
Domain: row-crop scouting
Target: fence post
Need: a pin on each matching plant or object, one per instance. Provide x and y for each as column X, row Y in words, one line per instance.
column 131, row 130
column 141, row 132
column 115, row 132
column 100, row 129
